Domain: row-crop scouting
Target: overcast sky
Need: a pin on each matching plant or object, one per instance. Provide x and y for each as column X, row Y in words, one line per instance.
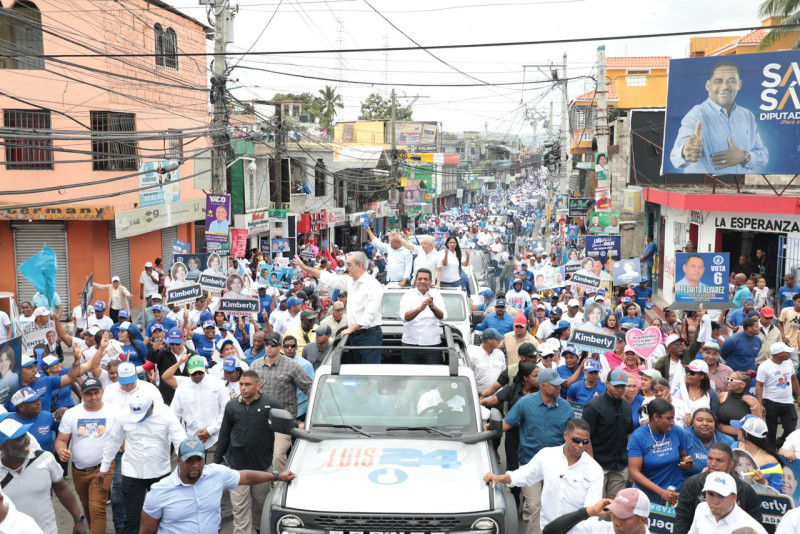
column 312, row 25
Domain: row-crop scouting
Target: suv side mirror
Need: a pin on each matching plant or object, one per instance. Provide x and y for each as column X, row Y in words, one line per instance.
column 477, row 317
column 495, row 420
column 281, row 421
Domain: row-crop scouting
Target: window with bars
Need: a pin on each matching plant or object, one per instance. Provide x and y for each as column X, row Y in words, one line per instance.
column 26, row 153
column 21, row 37
column 166, row 47
column 320, row 185
column 113, row 152
column 174, row 144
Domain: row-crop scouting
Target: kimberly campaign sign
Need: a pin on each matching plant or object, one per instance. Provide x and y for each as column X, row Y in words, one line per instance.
column 702, row 276
column 733, row 115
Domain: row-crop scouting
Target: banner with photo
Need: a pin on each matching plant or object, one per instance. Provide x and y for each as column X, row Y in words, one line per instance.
column 760, row 91
column 193, row 264
column 601, row 166
column 603, row 248
column 10, row 367
column 602, row 198
column 34, row 334
column 218, row 220
column 603, row 222
column 548, row 278
column 702, row 276
column 280, row 245
column 627, row 271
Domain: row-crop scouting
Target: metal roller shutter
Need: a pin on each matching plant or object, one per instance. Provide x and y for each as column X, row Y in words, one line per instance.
column 29, row 238
column 120, row 250
column 167, row 235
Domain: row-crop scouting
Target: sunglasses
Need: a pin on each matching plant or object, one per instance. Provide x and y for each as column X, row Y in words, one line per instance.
column 576, row 441
column 548, row 356
column 290, row 346
column 734, row 380
column 519, row 326
column 693, row 373
column 272, row 345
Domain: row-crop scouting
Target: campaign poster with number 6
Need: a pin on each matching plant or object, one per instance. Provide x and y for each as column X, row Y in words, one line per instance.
column 702, row 276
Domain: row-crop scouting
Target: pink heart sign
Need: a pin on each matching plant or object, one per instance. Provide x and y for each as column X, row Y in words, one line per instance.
column 644, row 342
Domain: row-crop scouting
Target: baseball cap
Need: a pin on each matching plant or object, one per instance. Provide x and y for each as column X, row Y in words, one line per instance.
column 27, row 360
column 698, row 366
column 90, row 384
column 156, row 296
column 572, row 303
column 562, row 324
column 126, row 325
column 261, row 286
column 222, row 342
column 601, row 292
column 157, row 326
column 49, row 361
column 99, row 305
column 115, row 278
column 630, row 502
column 209, row 324
column 672, row 338
column 768, row 312
column 191, row 447
column 273, row 336
column 229, row 364
column 540, row 307
column 41, row 311
column 490, row 333
column 550, row 376
column 591, row 366
column 126, row 372
column 11, row 428
column 26, row 394
column 755, row 426
column 520, row 320
column 228, row 325
column 748, row 301
column 139, row 405
column 501, row 303
column 644, row 279
column 628, row 348
column 338, row 305
column 536, row 296
column 652, row 373
column 195, row 364
column 571, row 349
column 323, row 331
column 307, row 314
column 720, row 482
column 630, row 292
column 527, row 350
column 205, row 316
column 124, row 314
column 712, row 345
column 174, row 336
column 618, row 377
column 625, row 300
column 158, row 307
column 148, row 264
column 556, row 309
column 516, row 281
column 780, row 346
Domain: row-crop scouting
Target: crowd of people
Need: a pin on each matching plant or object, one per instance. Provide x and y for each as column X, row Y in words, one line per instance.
column 188, row 389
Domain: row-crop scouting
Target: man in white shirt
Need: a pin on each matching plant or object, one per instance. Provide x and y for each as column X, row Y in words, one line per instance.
column 425, row 255
column 13, row 521
column 88, row 425
column 720, row 514
column 148, row 283
column 516, row 297
column 628, row 513
column 422, row 310
column 398, row 259
column 495, row 250
column 364, row 296
column 32, row 475
column 5, row 327
column 775, row 381
column 486, row 360
column 200, row 404
column 574, row 314
column 571, row 478
column 127, row 385
column 790, row 523
column 147, row 430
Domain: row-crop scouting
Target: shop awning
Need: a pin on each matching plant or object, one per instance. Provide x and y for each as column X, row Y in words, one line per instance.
column 358, row 158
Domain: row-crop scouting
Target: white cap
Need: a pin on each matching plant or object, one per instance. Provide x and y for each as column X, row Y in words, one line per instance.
column 115, row 278
column 148, row 264
column 698, row 366
column 720, row 482
column 49, row 360
column 573, row 302
column 139, row 405
column 126, row 373
column 779, row 347
column 751, row 424
column 672, row 338
column 41, row 311
column 156, row 296
column 125, row 326
column 93, row 329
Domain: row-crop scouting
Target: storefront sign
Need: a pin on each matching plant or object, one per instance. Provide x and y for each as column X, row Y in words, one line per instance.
column 758, row 224
column 319, row 221
column 697, row 217
column 57, row 213
column 257, row 223
column 156, row 187
column 336, row 217
column 579, row 207
column 704, row 277
column 278, row 215
column 142, row 220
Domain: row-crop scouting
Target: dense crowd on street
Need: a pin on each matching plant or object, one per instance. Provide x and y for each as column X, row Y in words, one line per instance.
column 165, row 408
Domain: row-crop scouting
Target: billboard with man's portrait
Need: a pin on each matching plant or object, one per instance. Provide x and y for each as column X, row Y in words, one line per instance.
column 702, row 276
column 733, row 115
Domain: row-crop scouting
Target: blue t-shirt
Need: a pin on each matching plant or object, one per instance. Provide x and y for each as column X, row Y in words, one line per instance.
column 136, row 352
column 540, row 425
column 785, row 295
column 263, row 306
column 581, row 393
column 62, row 397
column 168, row 324
column 741, row 294
column 638, row 322
column 43, row 429
column 698, row 450
column 649, row 249
column 660, row 456
column 642, row 294
column 565, row 373
column 635, row 405
column 736, row 318
column 44, row 386
column 503, row 326
column 203, row 346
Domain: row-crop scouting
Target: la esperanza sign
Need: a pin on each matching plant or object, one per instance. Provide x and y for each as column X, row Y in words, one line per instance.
column 777, row 225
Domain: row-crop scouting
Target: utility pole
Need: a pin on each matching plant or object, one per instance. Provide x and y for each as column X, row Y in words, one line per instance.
column 219, row 132
column 280, row 150
column 563, row 174
column 601, row 120
column 550, row 125
column 394, row 146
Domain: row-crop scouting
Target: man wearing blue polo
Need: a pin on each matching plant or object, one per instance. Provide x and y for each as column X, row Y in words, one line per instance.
column 542, row 418
column 499, row 320
column 188, row 499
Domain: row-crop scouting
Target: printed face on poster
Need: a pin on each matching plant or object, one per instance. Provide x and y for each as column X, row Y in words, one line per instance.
column 218, row 209
column 606, row 222
column 702, row 277
column 602, row 198
column 181, row 247
column 603, row 248
column 760, row 93
column 627, row 271
column 601, row 166
column 10, row 367
column 192, row 264
column 280, row 246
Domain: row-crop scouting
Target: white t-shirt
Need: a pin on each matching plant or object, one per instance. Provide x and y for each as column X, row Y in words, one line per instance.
column 676, row 374
column 77, row 314
column 177, row 316
column 103, row 324
column 30, row 490
column 18, row 523
column 4, row 322
column 790, row 522
column 89, row 431
column 777, row 380
column 449, row 271
column 150, row 284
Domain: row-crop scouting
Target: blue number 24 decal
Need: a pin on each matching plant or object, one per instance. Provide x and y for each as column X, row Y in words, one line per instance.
column 446, row 459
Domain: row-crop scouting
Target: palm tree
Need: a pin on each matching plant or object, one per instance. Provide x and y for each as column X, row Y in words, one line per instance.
column 789, row 10
column 330, row 101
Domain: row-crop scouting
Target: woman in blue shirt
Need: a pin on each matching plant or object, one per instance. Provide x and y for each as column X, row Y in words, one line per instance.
column 134, row 351
column 700, row 437
column 630, row 316
column 656, row 454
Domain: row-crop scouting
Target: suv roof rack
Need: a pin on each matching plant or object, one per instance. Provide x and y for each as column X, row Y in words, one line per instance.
column 448, row 351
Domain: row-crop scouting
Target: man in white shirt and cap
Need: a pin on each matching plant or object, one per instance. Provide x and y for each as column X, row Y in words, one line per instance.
column 720, row 514
column 148, row 283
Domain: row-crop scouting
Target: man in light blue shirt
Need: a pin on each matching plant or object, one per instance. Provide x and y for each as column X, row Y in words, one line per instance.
column 398, row 259
column 717, row 136
column 40, row 301
column 189, row 499
column 220, row 225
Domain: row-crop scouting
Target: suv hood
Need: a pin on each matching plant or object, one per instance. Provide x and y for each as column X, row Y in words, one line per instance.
column 389, row 476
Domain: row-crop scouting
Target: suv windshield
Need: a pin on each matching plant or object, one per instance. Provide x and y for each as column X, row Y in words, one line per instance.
column 376, row 403
column 454, row 304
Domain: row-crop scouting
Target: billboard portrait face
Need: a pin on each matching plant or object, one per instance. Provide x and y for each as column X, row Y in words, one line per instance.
column 724, row 84
column 693, row 270
column 179, row 272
